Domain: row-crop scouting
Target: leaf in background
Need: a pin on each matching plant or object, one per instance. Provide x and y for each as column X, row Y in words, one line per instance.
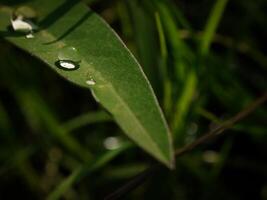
column 85, row 170
column 186, row 75
column 211, row 26
column 145, row 37
column 106, row 67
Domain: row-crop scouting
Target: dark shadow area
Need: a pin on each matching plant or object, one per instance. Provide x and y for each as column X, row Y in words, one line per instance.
column 60, row 12
column 57, row 13
column 73, row 27
column 9, row 32
column 12, row 2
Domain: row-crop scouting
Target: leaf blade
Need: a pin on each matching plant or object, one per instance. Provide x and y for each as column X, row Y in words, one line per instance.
column 121, row 86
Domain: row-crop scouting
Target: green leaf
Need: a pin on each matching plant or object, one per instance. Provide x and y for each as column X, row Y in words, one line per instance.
column 211, row 26
column 144, row 35
column 121, row 86
column 86, row 119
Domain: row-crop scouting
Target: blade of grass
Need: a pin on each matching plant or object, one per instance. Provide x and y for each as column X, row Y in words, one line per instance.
column 185, row 71
column 211, row 26
column 86, row 119
column 167, row 88
column 241, row 47
column 183, row 104
column 124, row 171
column 181, row 53
column 144, row 34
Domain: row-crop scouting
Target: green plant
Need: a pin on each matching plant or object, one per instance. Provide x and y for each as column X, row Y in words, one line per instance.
column 199, row 78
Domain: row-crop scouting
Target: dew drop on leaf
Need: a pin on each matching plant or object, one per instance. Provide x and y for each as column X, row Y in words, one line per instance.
column 90, row 82
column 68, row 58
column 67, row 65
column 20, row 24
column 30, row 35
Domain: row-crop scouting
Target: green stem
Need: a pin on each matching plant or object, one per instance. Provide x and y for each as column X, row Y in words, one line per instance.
column 211, row 26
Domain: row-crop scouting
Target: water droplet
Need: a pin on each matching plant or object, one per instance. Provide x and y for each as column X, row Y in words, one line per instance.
column 112, row 143
column 20, row 24
column 69, row 53
column 90, row 82
column 30, row 35
column 67, row 65
column 69, row 58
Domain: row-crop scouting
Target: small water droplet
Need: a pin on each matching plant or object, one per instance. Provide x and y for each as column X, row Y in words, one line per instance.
column 112, row 143
column 67, row 65
column 90, row 82
column 30, row 35
column 20, row 24
column 69, row 53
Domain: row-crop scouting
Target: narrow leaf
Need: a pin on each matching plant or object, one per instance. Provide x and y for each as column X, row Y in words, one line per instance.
column 212, row 24
column 100, row 62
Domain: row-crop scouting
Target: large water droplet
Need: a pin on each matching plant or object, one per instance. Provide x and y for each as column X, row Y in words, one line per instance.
column 20, row 24
column 69, row 53
column 90, row 82
column 68, row 58
column 67, row 65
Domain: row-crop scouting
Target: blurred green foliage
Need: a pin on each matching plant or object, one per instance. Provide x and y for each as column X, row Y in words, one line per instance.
column 206, row 61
